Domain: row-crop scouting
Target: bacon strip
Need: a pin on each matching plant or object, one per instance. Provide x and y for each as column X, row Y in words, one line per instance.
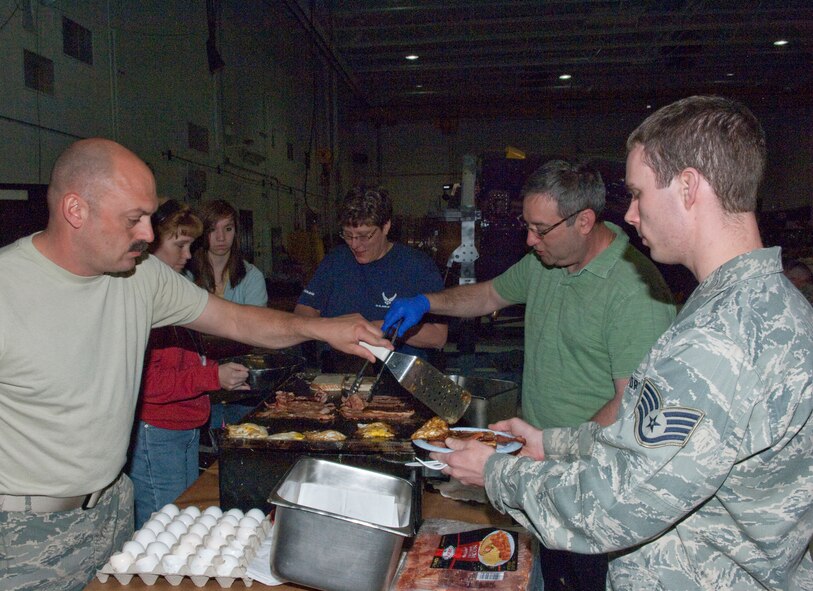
column 488, row 437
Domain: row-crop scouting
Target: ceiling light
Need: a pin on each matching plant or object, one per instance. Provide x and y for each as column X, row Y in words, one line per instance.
column 565, row 77
column 411, row 57
column 780, row 42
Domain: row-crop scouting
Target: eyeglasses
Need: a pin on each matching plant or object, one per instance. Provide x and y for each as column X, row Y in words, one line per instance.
column 362, row 238
column 542, row 233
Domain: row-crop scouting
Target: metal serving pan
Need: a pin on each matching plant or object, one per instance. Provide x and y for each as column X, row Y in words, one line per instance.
column 491, row 400
column 266, row 373
column 333, row 551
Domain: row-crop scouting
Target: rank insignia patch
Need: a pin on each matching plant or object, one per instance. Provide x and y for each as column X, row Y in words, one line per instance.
column 656, row 425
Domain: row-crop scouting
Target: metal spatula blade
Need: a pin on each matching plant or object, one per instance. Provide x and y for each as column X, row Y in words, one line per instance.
column 426, row 383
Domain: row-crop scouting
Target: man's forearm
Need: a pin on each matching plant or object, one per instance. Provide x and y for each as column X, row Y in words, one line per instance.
column 252, row 325
column 466, row 301
column 430, row 335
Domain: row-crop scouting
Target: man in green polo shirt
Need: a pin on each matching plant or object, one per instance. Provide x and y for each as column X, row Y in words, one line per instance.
column 594, row 307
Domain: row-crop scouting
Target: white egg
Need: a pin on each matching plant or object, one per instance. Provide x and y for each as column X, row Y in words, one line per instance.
column 256, row 514
column 225, row 529
column 157, row 549
column 162, row 518
column 199, row 529
column 187, row 520
column 155, row 526
column 167, row 538
column 197, row 565
column 184, row 549
column 177, row 528
column 236, row 513
column 172, row 563
column 249, row 522
column 121, row 561
column 214, row 511
column 170, row 509
column 206, row 554
column 144, row 537
column 244, row 534
column 230, row 519
column 132, row 547
column 226, row 565
column 146, row 564
column 237, row 544
column 192, row 511
column 231, row 550
column 215, row 541
column 208, row 520
column 193, row 539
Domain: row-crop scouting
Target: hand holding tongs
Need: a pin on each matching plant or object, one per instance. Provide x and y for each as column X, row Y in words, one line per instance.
column 354, row 388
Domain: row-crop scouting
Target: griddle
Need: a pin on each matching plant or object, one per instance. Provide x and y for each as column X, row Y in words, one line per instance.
column 299, row 384
column 251, row 468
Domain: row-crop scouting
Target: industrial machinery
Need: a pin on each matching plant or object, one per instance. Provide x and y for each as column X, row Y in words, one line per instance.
column 478, row 235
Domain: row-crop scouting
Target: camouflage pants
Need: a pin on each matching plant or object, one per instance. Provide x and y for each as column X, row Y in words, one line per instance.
column 61, row 551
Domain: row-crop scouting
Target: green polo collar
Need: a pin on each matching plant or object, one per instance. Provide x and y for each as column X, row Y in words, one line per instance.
column 607, row 258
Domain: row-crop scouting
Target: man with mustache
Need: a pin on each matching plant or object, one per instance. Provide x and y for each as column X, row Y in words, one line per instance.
column 594, row 305
column 75, row 315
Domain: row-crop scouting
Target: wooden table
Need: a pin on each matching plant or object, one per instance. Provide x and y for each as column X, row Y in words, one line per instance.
column 205, row 492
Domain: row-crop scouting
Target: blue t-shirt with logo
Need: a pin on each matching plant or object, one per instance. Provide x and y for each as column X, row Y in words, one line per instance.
column 343, row 286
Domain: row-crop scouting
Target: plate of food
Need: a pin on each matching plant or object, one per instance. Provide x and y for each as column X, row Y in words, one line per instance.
column 496, row 548
column 432, row 434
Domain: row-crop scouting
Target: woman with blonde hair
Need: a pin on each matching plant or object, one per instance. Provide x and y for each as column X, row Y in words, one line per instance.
column 163, row 458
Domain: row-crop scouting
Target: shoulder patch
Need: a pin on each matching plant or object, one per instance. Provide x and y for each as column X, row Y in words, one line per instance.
column 656, row 425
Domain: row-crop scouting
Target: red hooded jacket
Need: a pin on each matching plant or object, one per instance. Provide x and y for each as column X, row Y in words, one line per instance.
column 175, row 376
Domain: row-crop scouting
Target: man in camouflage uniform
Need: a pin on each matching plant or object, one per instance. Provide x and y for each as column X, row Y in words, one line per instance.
column 705, row 481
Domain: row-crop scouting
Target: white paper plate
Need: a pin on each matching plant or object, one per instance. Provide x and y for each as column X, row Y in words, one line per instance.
column 503, row 448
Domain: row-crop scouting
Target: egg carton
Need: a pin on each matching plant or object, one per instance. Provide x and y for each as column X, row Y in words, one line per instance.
column 200, row 565
column 175, row 579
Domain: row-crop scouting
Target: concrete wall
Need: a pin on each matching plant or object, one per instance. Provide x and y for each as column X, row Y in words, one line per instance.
column 150, row 80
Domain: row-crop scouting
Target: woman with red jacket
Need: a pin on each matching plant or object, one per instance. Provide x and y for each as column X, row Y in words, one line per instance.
column 164, row 449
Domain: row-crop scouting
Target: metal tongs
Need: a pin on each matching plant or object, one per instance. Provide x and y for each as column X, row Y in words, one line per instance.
column 354, row 388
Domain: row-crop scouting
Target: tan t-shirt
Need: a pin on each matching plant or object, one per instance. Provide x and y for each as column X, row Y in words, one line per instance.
column 71, row 356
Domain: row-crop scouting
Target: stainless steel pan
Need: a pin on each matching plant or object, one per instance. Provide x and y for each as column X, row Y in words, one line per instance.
column 266, row 373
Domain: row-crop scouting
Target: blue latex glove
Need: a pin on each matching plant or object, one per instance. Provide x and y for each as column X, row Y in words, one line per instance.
column 410, row 310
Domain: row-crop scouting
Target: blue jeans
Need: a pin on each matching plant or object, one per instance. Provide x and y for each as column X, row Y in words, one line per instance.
column 163, row 464
column 228, row 414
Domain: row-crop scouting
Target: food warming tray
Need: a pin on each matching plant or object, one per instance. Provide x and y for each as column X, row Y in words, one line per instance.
column 347, row 547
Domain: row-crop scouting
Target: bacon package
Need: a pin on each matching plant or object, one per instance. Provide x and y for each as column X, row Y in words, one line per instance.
column 456, row 556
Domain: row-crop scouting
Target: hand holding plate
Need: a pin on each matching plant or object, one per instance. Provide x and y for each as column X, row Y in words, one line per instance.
column 467, row 460
column 533, row 447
